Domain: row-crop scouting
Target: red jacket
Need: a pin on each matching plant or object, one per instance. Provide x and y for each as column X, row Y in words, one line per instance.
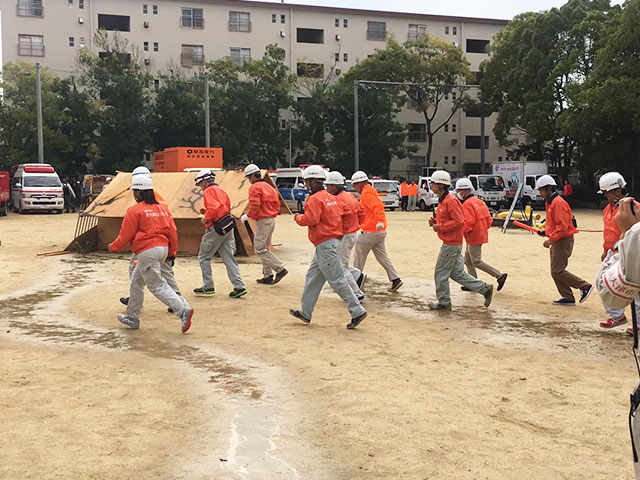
column 264, row 201
column 567, row 190
column 352, row 212
column 323, row 215
column 559, row 222
column 373, row 210
column 477, row 221
column 216, row 203
column 146, row 226
column 450, row 219
column 612, row 232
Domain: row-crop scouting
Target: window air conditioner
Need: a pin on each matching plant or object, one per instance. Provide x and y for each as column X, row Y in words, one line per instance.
column 147, row 61
column 454, row 141
column 338, row 71
column 337, row 36
column 146, row 24
column 80, row 19
column 282, row 33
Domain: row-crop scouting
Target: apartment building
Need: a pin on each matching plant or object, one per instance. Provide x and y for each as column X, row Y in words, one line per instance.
column 318, row 42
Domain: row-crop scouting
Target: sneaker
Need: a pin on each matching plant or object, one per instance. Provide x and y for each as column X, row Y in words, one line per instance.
column 395, row 285
column 360, row 298
column 131, row 322
column 488, row 296
column 611, row 322
column 170, row 310
column 266, row 280
column 356, row 321
column 124, row 300
column 280, row 275
column 438, row 306
column 565, row 302
column 238, row 292
column 501, row 280
column 204, row 291
column 585, row 292
column 298, row 315
column 360, row 281
column 186, row 320
column 466, row 289
column 630, row 331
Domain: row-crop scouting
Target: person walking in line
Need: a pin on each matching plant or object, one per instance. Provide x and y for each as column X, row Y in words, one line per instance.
column 68, row 193
column 477, row 222
column 404, row 195
column 612, row 186
column 374, row 231
column 413, row 196
column 449, row 225
column 560, row 230
column 352, row 216
column 151, row 231
column 218, row 236
column 323, row 217
column 264, row 207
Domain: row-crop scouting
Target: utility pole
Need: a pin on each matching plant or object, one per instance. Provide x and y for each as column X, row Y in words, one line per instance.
column 356, row 133
column 290, row 152
column 207, row 126
column 39, row 113
column 482, row 143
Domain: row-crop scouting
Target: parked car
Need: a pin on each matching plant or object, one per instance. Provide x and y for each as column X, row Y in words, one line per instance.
column 291, row 186
column 36, row 186
column 389, row 191
column 5, row 193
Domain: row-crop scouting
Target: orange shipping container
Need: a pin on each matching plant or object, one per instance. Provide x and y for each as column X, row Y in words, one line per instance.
column 177, row 159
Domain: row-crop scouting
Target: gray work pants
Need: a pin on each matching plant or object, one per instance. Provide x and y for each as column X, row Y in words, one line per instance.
column 450, row 265
column 368, row 241
column 325, row 267
column 226, row 247
column 473, row 260
column 261, row 242
column 147, row 273
column 166, row 271
column 344, row 254
column 412, row 203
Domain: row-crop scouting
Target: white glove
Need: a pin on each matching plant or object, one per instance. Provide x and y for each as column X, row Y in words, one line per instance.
column 244, row 218
column 379, row 226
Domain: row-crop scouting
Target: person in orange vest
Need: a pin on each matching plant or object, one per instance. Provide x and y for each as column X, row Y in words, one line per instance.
column 560, row 230
column 612, row 187
column 323, row 216
column 218, row 236
column 404, row 195
column 151, row 231
column 449, row 225
column 374, row 229
column 352, row 217
column 264, row 207
column 477, row 222
column 413, row 196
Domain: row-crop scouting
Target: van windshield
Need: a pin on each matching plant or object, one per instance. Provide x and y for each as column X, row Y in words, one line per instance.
column 385, row 187
column 491, row 182
column 38, row 181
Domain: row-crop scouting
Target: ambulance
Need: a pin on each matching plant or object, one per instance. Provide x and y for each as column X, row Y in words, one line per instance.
column 36, row 186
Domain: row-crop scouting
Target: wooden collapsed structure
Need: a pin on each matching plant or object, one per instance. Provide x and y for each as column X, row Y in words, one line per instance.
column 100, row 222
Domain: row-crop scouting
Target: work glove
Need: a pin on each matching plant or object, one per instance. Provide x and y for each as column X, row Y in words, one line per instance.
column 379, row 226
column 244, row 218
column 171, row 261
column 542, row 233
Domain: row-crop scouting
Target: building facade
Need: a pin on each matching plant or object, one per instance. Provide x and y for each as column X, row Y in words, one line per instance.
column 318, row 42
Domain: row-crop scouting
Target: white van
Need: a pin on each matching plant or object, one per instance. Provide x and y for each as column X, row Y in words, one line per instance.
column 427, row 200
column 36, row 186
column 389, row 192
column 292, row 188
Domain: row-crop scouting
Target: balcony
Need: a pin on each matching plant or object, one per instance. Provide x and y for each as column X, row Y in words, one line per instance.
column 30, row 10
column 29, row 50
column 376, row 35
column 189, row 60
column 241, row 26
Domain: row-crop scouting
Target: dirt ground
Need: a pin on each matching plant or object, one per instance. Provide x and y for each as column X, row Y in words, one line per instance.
column 521, row 390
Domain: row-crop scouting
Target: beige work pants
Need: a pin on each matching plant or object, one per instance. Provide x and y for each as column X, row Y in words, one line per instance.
column 261, row 242
column 368, row 241
column 473, row 260
column 560, row 252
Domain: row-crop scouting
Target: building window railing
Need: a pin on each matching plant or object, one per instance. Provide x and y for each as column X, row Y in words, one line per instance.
column 30, row 8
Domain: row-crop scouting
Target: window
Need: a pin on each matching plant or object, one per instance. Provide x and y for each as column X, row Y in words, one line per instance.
column 446, row 30
column 239, row 22
column 192, row 18
column 273, row 18
column 240, row 56
column 283, row 18
column 145, row 46
column 120, row 23
column 309, row 35
column 453, row 96
column 417, row 132
column 156, row 84
column 310, row 70
column 472, row 142
column 454, row 30
column 446, row 160
column 31, row 45
column 155, row 12
column 453, row 128
column 337, row 57
column 70, row 3
column 345, row 23
column 145, row 8
column 477, row 46
column 499, row 159
column 345, row 57
column 72, row 42
column 453, row 160
column 446, row 127
column 376, row 30
column 416, row 32
column 192, row 55
column 30, row 8
column 156, row 47
column 337, row 22
column 80, row 4
column 283, row 124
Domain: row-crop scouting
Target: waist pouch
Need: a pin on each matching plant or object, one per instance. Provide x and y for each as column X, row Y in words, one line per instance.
column 224, row 225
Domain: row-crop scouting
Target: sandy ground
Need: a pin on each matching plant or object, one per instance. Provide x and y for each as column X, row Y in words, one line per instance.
column 520, row 390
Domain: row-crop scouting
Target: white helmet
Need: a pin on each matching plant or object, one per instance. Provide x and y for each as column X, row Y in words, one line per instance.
column 610, row 181
column 359, row 176
column 441, row 177
column 141, row 182
column 251, row 169
column 205, row 174
column 546, row 181
column 140, row 171
column 462, row 184
column 334, row 178
column 315, row 172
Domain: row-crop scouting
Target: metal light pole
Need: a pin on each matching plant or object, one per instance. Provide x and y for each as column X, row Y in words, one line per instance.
column 39, row 114
column 356, row 133
column 482, row 142
column 207, row 127
column 290, row 151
